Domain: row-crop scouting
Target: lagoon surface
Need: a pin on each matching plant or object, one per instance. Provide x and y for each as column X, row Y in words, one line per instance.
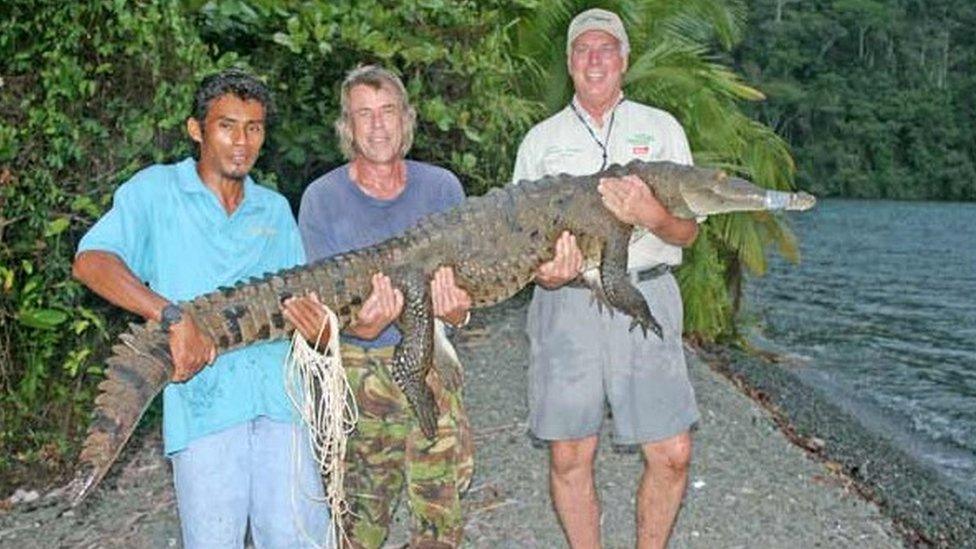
column 881, row 315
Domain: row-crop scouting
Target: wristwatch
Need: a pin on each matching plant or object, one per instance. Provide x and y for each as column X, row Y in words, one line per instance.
column 170, row 315
column 467, row 318
column 451, row 329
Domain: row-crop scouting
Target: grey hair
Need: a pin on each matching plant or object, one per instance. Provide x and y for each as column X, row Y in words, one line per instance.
column 377, row 78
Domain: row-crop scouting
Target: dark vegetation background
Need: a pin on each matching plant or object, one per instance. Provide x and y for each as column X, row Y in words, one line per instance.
column 875, row 98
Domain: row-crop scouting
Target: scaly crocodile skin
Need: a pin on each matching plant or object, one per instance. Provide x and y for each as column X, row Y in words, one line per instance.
column 494, row 243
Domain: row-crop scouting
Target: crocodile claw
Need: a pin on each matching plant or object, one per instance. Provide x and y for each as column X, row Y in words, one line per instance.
column 650, row 323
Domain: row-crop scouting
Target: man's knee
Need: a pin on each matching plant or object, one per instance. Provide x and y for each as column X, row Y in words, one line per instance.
column 570, row 458
column 672, row 454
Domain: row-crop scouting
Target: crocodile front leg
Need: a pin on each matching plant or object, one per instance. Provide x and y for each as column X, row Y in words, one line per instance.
column 413, row 357
column 620, row 293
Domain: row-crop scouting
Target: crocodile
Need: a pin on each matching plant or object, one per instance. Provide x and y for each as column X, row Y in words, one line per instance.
column 494, row 243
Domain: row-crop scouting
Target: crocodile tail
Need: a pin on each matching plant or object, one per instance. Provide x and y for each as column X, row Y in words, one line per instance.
column 138, row 370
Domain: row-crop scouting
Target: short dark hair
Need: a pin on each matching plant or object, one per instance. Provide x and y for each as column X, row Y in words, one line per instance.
column 234, row 81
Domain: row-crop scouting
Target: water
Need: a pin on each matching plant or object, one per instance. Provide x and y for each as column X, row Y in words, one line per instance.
column 881, row 314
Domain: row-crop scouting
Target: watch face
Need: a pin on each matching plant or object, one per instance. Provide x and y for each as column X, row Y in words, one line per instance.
column 171, row 314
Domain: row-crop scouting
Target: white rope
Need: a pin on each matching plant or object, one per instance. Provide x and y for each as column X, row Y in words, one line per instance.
column 317, row 386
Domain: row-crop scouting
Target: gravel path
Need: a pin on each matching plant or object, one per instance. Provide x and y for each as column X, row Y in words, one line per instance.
column 749, row 486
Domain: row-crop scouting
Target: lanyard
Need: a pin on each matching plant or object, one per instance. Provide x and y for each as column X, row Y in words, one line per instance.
column 602, row 145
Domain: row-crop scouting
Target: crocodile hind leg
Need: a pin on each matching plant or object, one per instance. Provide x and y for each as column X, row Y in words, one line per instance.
column 620, row 293
column 592, row 279
column 413, row 357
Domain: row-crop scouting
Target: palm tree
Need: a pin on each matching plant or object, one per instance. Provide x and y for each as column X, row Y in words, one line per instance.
column 674, row 65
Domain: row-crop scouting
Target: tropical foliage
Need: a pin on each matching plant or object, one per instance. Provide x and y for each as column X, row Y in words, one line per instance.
column 93, row 91
column 877, row 97
column 674, row 65
column 455, row 58
column 90, row 93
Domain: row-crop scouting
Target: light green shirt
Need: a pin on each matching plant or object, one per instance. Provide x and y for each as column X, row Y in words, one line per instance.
column 562, row 144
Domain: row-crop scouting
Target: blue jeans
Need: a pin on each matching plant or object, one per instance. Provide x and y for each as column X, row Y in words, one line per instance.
column 248, row 472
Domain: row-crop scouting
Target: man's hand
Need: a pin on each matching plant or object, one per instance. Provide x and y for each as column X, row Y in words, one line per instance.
column 191, row 348
column 564, row 267
column 451, row 304
column 307, row 315
column 381, row 308
column 632, row 202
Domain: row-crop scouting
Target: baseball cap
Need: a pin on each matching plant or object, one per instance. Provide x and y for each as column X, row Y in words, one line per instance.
column 601, row 20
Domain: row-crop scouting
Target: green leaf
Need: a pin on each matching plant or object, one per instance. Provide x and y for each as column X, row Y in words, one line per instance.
column 7, row 277
column 79, row 326
column 56, row 227
column 471, row 134
column 286, row 41
column 75, row 360
column 44, row 319
column 84, row 204
column 94, row 319
column 32, row 284
column 437, row 112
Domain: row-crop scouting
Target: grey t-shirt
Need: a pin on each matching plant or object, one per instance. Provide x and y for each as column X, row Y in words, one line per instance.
column 336, row 216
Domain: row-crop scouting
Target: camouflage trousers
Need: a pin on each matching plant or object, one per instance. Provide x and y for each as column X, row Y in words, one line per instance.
column 389, row 451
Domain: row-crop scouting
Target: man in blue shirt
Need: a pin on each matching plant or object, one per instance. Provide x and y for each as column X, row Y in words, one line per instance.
column 186, row 229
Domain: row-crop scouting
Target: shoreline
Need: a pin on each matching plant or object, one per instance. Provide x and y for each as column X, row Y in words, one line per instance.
column 926, row 511
column 749, row 484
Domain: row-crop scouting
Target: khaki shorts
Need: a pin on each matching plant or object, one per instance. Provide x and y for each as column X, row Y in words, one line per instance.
column 582, row 359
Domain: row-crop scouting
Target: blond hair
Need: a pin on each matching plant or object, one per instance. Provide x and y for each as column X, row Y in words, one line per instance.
column 376, row 78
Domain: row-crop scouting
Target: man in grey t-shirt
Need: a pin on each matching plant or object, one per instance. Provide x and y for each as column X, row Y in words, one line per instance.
column 378, row 195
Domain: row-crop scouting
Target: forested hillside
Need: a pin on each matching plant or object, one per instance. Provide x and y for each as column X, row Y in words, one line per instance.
column 876, row 97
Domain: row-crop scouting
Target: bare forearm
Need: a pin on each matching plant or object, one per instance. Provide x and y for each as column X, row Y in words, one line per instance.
column 675, row 231
column 632, row 202
column 108, row 276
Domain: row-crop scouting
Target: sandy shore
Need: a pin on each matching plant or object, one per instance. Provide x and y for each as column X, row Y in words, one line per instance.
column 750, row 486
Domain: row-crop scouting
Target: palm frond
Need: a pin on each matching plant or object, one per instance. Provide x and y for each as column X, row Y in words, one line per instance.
column 707, row 305
column 779, row 232
column 674, row 67
column 692, row 63
column 694, row 21
column 739, row 232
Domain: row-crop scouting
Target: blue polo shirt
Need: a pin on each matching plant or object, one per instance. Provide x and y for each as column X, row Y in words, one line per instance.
column 173, row 233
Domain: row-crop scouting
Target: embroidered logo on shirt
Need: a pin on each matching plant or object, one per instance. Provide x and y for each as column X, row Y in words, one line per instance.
column 640, row 143
column 262, row 231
